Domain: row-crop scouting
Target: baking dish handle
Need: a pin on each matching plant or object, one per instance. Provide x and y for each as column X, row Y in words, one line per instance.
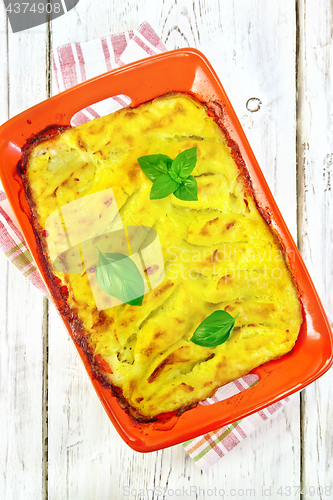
column 59, row 110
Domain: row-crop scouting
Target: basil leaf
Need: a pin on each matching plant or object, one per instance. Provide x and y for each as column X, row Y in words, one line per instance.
column 162, row 187
column 155, row 165
column 136, row 302
column 118, row 276
column 171, row 176
column 214, row 330
column 174, row 176
column 188, row 190
column 184, row 163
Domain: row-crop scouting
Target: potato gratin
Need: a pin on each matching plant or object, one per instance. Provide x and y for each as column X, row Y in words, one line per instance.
column 217, row 253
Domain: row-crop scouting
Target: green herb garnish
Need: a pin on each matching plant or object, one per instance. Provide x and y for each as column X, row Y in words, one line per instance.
column 188, row 189
column 214, row 330
column 162, row 187
column 118, row 276
column 171, row 176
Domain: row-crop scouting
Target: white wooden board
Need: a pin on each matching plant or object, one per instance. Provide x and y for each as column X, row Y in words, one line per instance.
column 315, row 165
column 22, row 363
column 224, row 37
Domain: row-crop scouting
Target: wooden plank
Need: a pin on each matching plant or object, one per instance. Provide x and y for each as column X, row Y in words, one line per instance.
column 4, row 65
column 22, row 83
column 245, row 47
column 315, row 165
column 21, row 368
column 80, row 436
column 252, row 50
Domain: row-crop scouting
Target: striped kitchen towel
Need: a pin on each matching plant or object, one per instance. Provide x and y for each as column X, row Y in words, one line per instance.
column 14, row 247
column 207, row 449
column 72, row 64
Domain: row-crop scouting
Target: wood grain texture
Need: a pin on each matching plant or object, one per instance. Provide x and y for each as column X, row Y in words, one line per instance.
column 315, row 165
column 21, row 367
column 22, row 84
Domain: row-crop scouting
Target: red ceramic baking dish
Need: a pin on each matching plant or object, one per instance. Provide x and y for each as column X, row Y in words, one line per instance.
column 183, row 70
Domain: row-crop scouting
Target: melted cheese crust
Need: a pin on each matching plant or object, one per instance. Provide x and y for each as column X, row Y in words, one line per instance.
column 218, row 252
